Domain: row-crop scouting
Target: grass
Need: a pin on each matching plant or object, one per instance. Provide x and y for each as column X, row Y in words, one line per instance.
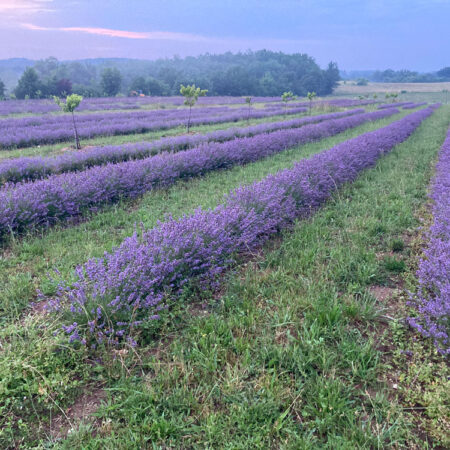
column 26, row 262
column 288, row 356
column 408, row 92
column 61, row 147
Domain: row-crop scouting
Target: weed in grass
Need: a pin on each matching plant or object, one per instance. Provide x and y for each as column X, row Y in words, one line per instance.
column 393, row 264
column 397, row 245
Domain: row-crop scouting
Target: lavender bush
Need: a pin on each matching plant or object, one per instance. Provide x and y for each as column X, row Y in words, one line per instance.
column 394, row 105
column 49, row 129
column 59, row 197
column 32, row 168
column 124, row 289
column 414, row 105
column 41, row 106
column 433, row 297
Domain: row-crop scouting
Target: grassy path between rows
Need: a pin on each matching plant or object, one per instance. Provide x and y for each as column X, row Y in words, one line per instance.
column 266, row 365
column 26, row 261
column 294, row 354
column 61, row 147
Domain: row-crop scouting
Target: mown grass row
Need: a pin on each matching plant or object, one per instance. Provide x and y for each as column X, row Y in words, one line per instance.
column 40, row 375
column 291, row 356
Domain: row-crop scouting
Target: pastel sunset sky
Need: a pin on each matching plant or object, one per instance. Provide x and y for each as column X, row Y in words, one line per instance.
column 358, row 34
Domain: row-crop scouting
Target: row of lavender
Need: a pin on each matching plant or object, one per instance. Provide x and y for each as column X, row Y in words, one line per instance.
column 119, row 292
column 29, row 131
column 433, row 297
column 117, row 103
column 32, row 168
column 394, row 105
column 34, row 121
column 338, row 102
column 414, row 105
column 42, row 106
column 59, row 197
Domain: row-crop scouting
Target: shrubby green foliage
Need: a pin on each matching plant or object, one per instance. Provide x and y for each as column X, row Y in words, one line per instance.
column 111, row 81
column 261, row 73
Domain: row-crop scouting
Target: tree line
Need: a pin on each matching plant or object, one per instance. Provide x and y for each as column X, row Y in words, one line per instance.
column 261, row 73
column 397, row 76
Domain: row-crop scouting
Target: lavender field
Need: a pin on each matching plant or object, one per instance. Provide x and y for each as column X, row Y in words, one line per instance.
column 236, row 267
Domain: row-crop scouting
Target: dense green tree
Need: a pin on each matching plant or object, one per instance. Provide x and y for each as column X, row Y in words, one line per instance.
column 139, row 84
column 111, row 81
column 2, row 90
column 444, row 73
column 261, row 73
column 29, row 85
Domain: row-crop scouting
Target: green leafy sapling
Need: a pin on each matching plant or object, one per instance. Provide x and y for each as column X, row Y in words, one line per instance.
column 69, row 106
column 445, row 91
column 311, row 96
column 248, row 100
column 191, row 95
column 286, row 98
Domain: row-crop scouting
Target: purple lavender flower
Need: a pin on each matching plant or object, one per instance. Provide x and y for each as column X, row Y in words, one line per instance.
column 59, row 197
column 144, row 271
column 25, row 131
column 432, row 300
column 32, row 168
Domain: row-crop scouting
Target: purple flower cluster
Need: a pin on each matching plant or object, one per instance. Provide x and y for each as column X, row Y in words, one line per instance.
column 414, row 105
column 108, row 103
column 117, row 293
column 48, row 129
column 59, row 197
column 338, row 102
column 394, row 105
column 32, row 168
column 433, row 298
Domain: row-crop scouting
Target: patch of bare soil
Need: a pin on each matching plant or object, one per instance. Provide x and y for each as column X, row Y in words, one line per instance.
column 81, row 411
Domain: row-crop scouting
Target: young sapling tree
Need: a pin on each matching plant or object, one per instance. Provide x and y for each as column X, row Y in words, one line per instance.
column 191, row 95
column 71, row 103
column 311, row 96
column 248, row 100
column 287, row 97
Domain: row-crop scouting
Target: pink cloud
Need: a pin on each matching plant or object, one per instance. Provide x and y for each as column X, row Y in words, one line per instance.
column 17, row 7
column 151, row 35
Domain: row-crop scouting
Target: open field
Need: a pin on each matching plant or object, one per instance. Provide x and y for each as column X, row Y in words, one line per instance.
column 278, row 313
column 414, row 92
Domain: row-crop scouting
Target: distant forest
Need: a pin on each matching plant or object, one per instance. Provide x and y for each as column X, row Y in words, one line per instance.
column 397, row 76
column 261, row 73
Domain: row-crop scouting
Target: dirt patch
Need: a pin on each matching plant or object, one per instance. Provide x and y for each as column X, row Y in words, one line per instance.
column 81, row 411
column 383, row 293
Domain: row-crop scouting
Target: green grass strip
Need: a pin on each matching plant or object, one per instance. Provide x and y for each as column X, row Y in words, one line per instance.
column 288, row 358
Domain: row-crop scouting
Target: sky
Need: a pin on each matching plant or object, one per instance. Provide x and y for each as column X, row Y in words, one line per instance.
column 357, row 34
